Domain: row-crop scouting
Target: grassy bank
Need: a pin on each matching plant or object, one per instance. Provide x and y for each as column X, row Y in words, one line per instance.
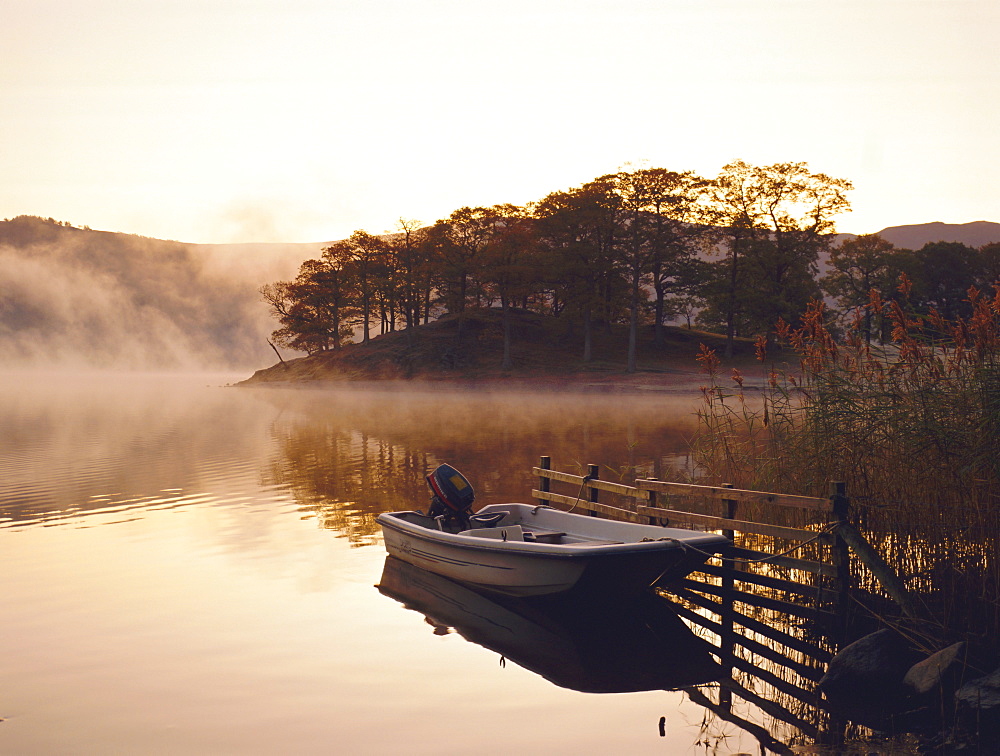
column 544, row 349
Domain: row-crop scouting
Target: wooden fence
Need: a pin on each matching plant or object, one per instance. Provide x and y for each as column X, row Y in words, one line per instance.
column 778, row 601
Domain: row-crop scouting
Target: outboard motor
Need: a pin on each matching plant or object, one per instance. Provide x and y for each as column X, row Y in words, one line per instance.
column 452, row 495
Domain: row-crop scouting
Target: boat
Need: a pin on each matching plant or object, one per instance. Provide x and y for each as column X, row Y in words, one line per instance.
column 593, row 643
column 535, row 550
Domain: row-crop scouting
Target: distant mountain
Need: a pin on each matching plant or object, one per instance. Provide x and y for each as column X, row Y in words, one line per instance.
column 76, row 297
column 974, row 234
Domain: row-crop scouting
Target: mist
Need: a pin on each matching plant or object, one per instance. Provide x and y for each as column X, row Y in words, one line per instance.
column 76, row 298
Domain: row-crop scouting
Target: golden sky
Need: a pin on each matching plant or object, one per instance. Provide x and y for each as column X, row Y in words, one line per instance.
column 295, row 120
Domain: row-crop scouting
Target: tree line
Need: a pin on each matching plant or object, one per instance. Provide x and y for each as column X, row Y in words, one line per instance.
column 939, row 280
column 734, row 254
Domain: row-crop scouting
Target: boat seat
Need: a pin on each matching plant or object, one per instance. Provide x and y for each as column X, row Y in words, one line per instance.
column 506, row 533
column 543, row 536
column 595, row 542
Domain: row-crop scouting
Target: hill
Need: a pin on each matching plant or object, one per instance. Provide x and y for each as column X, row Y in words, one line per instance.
column 545, row 349
column 974, row 234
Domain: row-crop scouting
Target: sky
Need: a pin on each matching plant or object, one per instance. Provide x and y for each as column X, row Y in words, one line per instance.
column 224, row 121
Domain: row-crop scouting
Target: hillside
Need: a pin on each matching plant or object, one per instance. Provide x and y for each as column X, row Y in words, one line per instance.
column 544, row 349
column 974, row 234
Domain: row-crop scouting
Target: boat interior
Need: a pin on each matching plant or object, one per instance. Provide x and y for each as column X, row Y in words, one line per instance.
column 485, row 526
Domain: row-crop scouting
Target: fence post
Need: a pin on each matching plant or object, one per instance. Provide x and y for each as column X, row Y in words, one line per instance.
column 652, row 503
column 543, row 483
column 593, row 471
column 841, row 557
column 728, row 639
column 729, row 511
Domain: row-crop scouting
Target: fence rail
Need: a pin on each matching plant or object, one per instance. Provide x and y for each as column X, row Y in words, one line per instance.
column 741, row 496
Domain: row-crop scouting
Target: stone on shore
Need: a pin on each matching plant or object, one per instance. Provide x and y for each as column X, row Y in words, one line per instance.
column 940, row 673
column 865, row 679
column 979, row 705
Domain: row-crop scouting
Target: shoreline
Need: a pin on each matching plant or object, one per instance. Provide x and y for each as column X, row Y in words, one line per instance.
column 643, row 382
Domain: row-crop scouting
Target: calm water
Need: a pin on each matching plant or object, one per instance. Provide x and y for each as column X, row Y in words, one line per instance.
column 193, row 569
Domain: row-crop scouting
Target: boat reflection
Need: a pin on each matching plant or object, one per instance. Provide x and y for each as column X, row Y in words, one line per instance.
column 583, row 642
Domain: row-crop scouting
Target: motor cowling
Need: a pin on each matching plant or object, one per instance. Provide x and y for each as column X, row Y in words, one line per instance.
column 453, row 494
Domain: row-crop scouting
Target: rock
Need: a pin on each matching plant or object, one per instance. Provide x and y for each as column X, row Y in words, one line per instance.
column 979, row 704
column 865, row 680
column 981, row 693
column 981, row 696
column 938, row 675
column 930, row 687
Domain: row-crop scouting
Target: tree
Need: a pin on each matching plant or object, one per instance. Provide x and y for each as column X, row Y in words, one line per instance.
column 578, row 229
column 361, row 256
column 635, row 250
column 989, row 262
column 660, row 234
column 509, row 265
column 411, row 261
column 775, row 221
column 857, row 266
column 683, row 232
column 941, row 279
column 459, row 242
column 313, row 308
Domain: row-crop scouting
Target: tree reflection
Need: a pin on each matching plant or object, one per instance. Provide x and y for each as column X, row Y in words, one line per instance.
column 350, row 454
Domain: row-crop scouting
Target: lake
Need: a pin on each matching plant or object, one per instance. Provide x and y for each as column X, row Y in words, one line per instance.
column 195, row 568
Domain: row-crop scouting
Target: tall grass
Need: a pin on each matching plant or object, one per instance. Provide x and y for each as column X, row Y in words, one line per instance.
column 912, row 427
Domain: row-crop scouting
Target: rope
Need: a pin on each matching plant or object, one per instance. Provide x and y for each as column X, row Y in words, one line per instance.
column 586, row 480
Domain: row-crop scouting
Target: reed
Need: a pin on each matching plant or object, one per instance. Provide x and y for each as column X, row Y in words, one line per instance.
column 911, row 426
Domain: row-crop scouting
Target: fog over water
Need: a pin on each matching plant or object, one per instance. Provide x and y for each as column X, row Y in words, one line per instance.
column 77, row 435
column 78, row 298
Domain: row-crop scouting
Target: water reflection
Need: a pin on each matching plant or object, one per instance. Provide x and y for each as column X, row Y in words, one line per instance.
column 589, row 643
column 350, row 454
column 72, row 445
